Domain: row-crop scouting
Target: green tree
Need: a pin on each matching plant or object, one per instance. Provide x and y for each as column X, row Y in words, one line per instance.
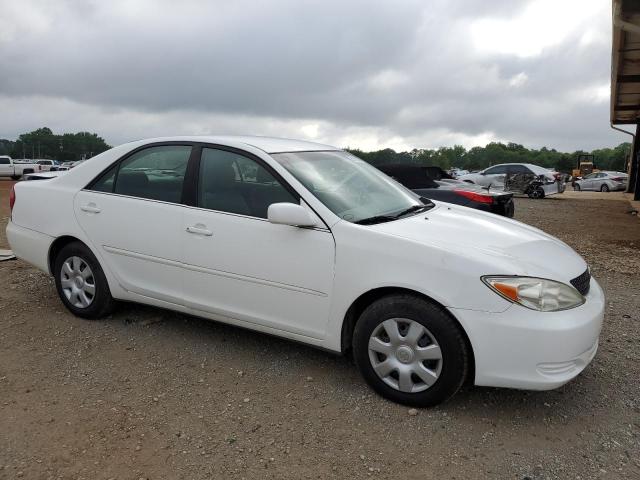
column 43, row 143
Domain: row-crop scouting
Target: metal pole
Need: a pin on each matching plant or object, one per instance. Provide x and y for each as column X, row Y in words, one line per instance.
column 634, row 178
column 633, row 158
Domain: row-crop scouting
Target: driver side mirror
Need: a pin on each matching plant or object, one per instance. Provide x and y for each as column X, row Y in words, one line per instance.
column 290, row 214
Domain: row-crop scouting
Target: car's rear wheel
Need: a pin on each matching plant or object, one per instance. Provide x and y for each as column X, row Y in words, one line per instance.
column 536, row 192
column 410, row 351
column 81, row 283
column 604, row 188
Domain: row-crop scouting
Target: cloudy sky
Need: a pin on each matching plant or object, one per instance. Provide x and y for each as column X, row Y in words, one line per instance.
column 359, row 73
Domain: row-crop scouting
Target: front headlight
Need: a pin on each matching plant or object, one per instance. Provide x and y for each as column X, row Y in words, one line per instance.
column 535, row 293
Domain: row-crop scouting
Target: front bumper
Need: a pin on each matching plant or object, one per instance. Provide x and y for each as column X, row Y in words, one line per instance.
column 523, row 348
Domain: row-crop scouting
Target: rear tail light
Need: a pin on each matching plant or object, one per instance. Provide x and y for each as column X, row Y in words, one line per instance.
column 618, row 179
column 476, row 197
column 12, row 198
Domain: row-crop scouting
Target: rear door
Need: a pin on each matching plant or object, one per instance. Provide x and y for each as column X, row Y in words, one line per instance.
column 495, row 176
column 132, row 215
column 240, row 266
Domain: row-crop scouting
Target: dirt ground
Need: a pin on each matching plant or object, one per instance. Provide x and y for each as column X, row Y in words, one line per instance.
column 152, row 394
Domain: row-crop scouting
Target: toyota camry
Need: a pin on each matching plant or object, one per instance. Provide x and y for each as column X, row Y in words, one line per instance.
column 310, row 243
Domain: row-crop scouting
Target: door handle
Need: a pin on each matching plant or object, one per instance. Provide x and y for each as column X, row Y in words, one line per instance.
column 200, row 230
column 90, row 208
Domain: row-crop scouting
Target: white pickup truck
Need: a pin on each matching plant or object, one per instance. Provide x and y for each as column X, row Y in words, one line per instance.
column 15, row 170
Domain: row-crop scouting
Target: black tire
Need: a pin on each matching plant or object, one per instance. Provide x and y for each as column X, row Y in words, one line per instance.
column 604, row 188
column 536, row 193
column 510, row 209
column 102, row 303
column 448, row 334
column 576, row 187
column 15, row 177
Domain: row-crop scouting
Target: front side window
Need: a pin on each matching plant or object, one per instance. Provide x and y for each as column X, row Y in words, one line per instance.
column 349, row 187
column 232, row 183
column 155, row 173
column 4, row 161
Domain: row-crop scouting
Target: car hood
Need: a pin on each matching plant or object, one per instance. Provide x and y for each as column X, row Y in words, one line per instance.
column 506, row 247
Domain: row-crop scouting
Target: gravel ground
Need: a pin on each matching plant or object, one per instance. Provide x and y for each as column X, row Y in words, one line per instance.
column 153, row 394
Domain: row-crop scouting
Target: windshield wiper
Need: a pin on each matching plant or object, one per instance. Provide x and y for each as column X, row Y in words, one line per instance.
column 389, row 218
column 375, row 219
column 414, row 208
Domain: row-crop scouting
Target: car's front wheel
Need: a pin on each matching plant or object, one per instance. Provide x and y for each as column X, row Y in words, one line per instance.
column 576, row 187
column 410, row 351
column 81, row 283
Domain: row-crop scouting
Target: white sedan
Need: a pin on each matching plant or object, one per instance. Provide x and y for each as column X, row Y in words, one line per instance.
column 602, row 181
column 308, row 242
column 500, row 177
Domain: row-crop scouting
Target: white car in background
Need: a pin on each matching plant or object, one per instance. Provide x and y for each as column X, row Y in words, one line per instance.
column 310, row 243
column 603, row 181
column 457, row 172
column 15, row 169
column 494, row 177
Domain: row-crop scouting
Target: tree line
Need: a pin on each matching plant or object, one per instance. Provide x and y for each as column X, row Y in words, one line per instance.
column 479, row 158
column 44, row 144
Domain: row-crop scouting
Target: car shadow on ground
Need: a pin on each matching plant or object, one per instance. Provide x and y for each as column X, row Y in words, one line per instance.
column 272, row 355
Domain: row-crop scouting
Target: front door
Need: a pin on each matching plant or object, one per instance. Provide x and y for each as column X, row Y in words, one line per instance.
column 133, row 218
column 240, row 266
column 6, row 169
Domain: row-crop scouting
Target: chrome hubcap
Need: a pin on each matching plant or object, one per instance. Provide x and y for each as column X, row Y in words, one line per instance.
column 405, row 355
column 77, row 281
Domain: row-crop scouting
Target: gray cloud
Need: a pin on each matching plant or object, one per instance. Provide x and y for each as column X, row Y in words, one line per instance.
column 364, row 73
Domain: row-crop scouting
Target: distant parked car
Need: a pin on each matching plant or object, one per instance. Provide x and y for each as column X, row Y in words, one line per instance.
column 602, row 181
column 435, row 184
column 66, row 166
column 47, row 165
column 457, row 172
column 532, row 180
column 15, row 168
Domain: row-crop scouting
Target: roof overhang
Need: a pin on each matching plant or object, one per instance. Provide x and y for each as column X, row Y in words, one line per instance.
column 625, row 63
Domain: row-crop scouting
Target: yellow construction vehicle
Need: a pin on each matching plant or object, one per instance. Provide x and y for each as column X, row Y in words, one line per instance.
column 585, row 166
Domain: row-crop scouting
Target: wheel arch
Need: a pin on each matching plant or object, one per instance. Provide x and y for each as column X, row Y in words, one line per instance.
column 363, row 301
column 57, row 245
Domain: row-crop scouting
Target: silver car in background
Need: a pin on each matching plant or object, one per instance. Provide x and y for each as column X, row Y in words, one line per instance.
column 602, row 182
column 518, row 178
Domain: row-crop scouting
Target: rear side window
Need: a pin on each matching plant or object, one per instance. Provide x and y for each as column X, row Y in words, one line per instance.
column 517, row 169
column 155, row 173
column 4, row 161
column 230, row 182
column 106, row 181
column 497, row 170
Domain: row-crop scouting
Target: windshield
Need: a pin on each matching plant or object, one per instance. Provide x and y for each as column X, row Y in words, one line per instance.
column 350, row 187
